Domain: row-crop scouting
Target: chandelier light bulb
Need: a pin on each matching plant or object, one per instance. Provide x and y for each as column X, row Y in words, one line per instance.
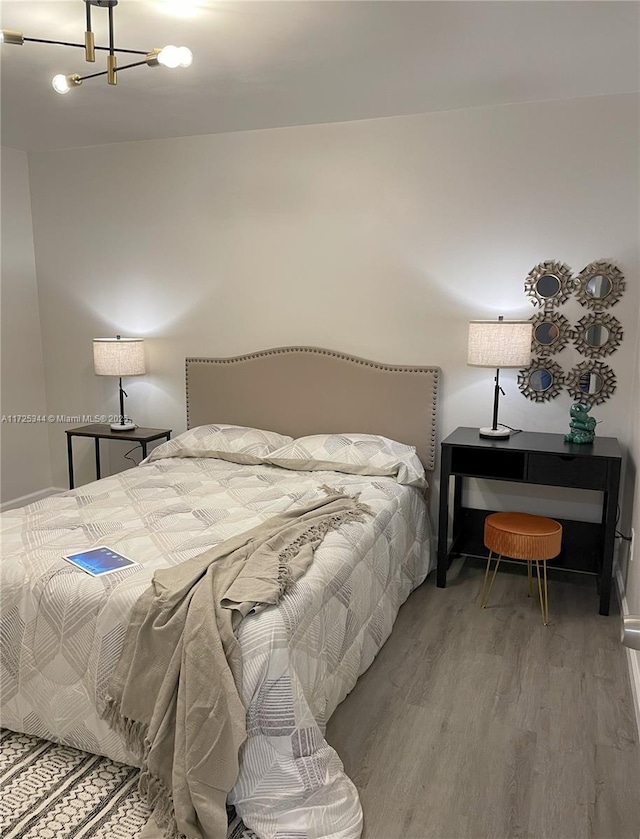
column 170, row 56
column 60, row 84
column 63, row 84
column 186, row 56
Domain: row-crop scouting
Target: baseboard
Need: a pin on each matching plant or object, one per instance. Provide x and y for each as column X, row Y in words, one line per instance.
column 30, row 498
column 633, row 656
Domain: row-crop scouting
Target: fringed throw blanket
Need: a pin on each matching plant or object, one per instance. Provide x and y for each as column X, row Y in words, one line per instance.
column 174, row 694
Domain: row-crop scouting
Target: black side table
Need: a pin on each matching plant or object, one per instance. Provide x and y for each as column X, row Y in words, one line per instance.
column 104, row 432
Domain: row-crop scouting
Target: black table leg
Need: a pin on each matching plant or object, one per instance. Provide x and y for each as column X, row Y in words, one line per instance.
column 609, row 515
column 144, row 450
column 97, row 446
column 443, row 517
column 457, row 507
column 70, row 460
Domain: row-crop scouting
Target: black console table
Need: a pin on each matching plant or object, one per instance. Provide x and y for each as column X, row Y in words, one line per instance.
column 533, row 458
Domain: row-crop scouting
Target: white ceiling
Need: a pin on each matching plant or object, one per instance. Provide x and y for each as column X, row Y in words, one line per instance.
column 268, row 63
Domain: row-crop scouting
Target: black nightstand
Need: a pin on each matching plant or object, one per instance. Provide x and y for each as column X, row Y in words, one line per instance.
column 533, row 458
column 104, row 432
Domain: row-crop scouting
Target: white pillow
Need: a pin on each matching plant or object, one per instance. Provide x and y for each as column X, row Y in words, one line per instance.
column 225, row 442
column 355, row 454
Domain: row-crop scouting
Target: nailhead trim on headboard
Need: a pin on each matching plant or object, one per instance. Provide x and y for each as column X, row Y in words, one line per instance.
column 393, row 368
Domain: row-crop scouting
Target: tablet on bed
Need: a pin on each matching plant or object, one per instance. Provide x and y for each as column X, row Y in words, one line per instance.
column 100, row 561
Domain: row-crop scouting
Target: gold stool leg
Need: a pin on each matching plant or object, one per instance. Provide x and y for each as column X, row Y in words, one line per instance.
column 529, row 576
column 485, row 597
column 546, row 595
column 484, row 582
column 544, row 606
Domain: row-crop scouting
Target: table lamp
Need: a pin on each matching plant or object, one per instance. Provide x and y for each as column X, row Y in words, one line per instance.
column 119, row 357
column 499, row 343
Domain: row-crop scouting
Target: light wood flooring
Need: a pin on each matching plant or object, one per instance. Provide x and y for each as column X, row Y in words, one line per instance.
column 484, row 724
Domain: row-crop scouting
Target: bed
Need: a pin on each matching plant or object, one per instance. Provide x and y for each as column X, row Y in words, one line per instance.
column 63, row 630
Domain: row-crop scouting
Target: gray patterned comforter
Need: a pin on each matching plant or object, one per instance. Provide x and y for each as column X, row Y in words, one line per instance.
column 62, row 630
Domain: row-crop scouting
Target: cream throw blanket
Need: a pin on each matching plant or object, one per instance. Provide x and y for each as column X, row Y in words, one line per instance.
column 175, row 693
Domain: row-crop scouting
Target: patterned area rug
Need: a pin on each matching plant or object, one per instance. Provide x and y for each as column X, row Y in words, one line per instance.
column 48, row 791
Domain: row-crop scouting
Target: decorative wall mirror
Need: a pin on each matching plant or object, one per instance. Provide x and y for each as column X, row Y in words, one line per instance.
column 542, row 380
column 597, row 335
column 591, row 382
column 549, row 284
column 599, row 285
column 551, row 333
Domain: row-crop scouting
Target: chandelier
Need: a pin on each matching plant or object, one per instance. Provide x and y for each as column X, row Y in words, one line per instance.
column 169, row 56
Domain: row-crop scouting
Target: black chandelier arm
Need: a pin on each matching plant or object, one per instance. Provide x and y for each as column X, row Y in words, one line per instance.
column 91, row 76
column 111, row 48
column 116, row 70
column 69, row 44
column 126, row 66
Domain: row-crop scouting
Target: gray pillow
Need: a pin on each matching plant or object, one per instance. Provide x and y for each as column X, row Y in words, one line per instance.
column 354, row 454
column 225, row 442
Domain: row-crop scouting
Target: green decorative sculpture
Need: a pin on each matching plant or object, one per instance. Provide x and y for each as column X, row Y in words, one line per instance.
column 582, row 425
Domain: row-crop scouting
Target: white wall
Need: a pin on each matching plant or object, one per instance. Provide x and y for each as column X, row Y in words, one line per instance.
column 630, row 563
column 632, row 519
column 381, row 238
column 25, row 465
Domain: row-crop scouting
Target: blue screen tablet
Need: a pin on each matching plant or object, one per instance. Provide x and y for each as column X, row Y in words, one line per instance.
column 99, row 561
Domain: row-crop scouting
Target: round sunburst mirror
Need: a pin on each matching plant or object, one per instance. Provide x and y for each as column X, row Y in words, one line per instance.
column 542, row 380
column 597, row 335
column 599, row 285
column 550, row 333
column 591, row 382
column 549, row 284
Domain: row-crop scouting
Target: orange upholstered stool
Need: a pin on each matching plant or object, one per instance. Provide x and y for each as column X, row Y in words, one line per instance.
column 522, row 536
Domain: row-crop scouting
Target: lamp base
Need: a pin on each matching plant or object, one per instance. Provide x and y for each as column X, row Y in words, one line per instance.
column 500, row 433
column 127, row 425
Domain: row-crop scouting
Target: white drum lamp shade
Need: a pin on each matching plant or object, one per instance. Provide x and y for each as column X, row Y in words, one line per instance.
column 499, row 343
column 119, row 357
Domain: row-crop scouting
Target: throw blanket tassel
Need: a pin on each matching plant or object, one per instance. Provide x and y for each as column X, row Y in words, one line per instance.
column 158, row 797
column 132, row 733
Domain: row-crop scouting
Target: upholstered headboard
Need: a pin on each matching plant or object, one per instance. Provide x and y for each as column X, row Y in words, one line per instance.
column 307, row 390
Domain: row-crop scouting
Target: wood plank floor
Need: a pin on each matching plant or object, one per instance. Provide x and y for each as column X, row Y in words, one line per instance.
column 484, row 724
